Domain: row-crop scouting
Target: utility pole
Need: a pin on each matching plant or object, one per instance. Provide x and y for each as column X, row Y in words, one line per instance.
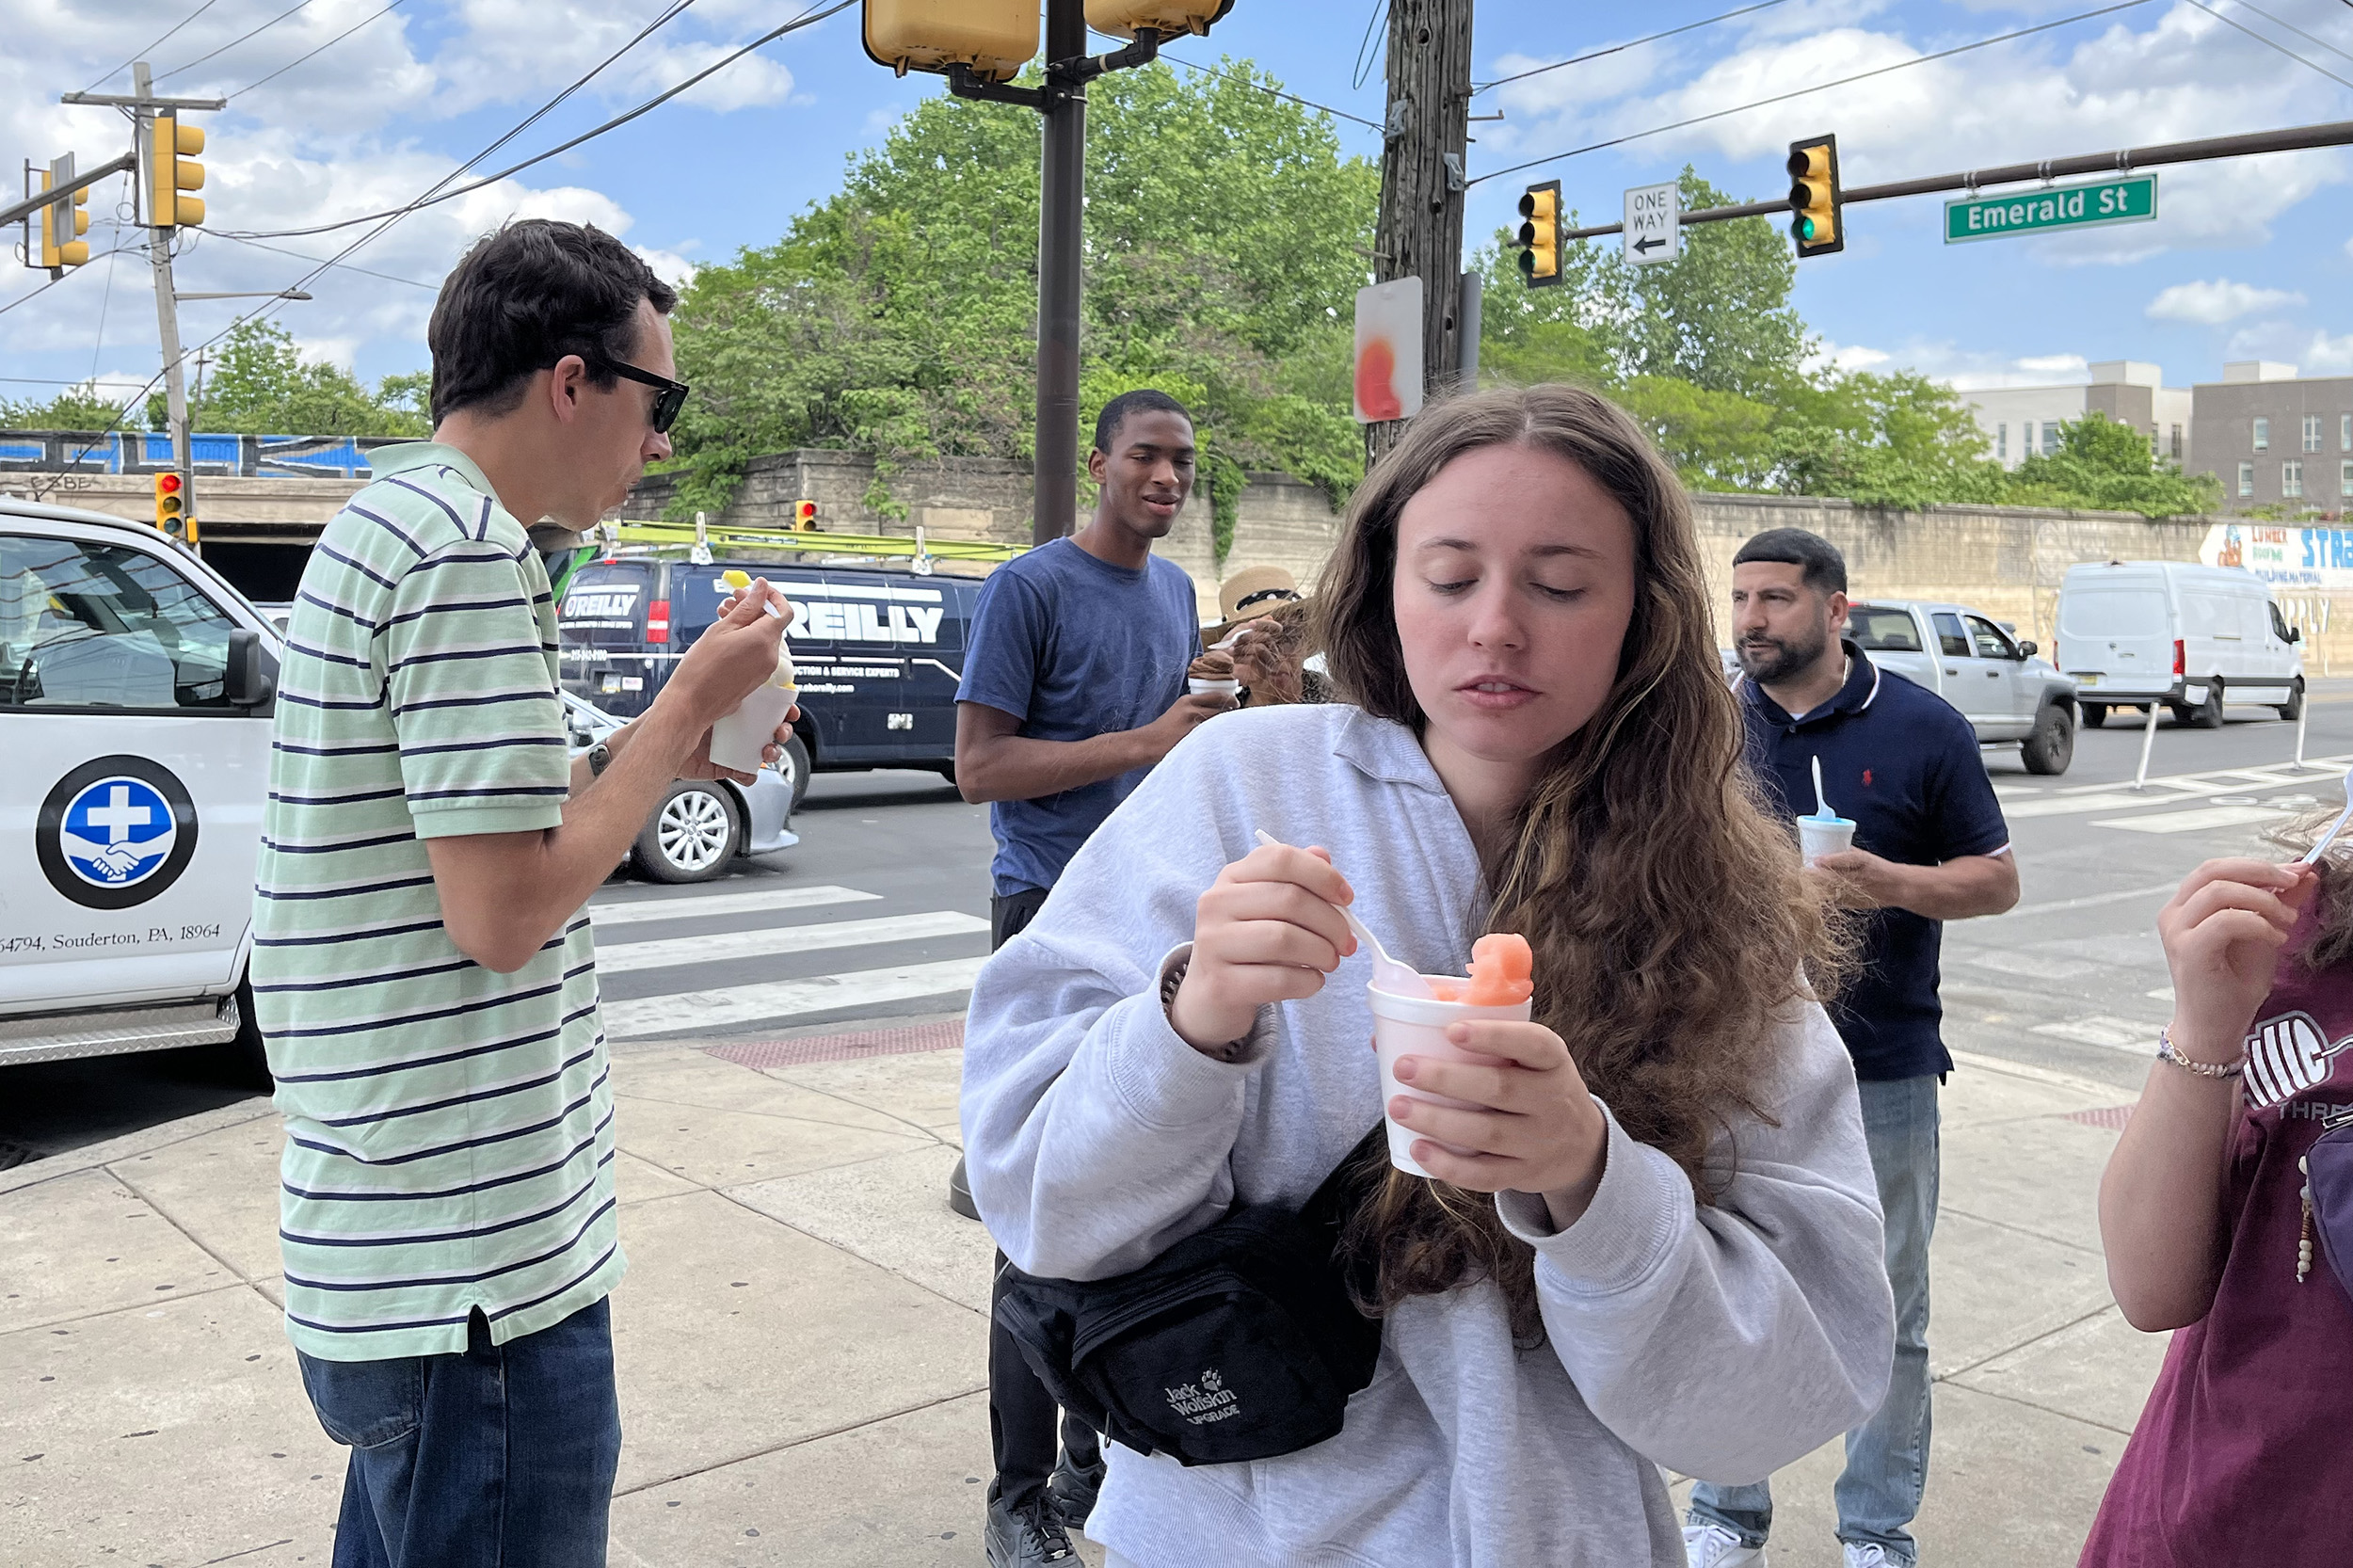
column 1422, row 180
column 167, row 314
column 1061, row 191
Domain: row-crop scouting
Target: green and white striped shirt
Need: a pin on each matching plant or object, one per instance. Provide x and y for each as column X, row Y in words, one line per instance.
column 449, row 1129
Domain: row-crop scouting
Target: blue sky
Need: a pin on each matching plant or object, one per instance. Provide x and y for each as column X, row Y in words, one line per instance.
column 2248, row 259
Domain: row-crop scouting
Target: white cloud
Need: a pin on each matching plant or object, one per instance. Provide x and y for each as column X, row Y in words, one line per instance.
column 2328, row 356
column 668, row 265
column 1847, row 357
column 2209, row 304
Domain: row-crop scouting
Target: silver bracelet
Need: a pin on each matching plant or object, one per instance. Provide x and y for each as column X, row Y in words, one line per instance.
column 2168, row 1052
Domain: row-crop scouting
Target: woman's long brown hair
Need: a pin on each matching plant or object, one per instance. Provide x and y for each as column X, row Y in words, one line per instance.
column 1672, row 928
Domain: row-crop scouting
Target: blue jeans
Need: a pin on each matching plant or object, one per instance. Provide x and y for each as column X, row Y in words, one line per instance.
column 1887, row 1457
column 501, row 1456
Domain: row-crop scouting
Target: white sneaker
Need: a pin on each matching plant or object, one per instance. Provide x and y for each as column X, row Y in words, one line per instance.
column 1714, row 1546
column 1870, row 1554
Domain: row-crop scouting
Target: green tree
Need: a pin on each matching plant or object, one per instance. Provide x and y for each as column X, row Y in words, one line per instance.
column 1898, row 441
column 1225, row 236
column 79, row 408
column 2105, row 466
column 259, row 384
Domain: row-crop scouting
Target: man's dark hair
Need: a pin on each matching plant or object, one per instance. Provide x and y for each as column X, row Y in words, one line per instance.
column 524, row 297
column 1141, row 401
column 1824, row 569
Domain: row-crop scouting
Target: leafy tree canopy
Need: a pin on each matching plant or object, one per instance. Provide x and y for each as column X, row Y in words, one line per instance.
column 259, row 384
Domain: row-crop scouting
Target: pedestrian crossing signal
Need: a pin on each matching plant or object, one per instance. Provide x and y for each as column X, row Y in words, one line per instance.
column 1814, row 196
column 171, row 508
column 1540, row 234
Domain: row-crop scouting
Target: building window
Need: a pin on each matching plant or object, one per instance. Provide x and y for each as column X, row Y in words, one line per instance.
column 2177, row 442
column 2001, row 443
column 2292, row 481
column 2246, row 479
column 2262, row 435
column 2050, row 438
column 2312, row 432
column 2344, row 479
column 2345, row 432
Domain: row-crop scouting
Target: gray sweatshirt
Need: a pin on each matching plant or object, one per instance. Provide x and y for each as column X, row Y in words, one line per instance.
column 1720, row 1341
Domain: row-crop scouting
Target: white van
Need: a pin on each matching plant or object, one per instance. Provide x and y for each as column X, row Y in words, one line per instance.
column 2193, row 637
column 136, row 692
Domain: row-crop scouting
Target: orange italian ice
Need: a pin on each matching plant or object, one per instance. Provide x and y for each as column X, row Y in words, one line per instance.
column 1502, row 972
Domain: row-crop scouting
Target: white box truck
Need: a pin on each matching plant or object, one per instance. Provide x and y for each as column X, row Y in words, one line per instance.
column 2193, row 637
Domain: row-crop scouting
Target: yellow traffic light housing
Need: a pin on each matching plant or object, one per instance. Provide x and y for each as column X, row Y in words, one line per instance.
column 1814, row 196
column 1540, row 234
column 61, row 245
column 1168, row 18
column 171, row 508
column 171, row 173
column 805, row 515
column 995, row 38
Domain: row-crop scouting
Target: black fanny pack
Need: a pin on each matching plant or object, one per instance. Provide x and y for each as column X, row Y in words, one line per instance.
column 1240, row 1342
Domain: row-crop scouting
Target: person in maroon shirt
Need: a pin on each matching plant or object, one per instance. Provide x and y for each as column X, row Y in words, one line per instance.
column 2240, row 1456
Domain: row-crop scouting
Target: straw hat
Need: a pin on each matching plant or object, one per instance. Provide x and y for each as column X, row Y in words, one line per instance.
column 1248, row 594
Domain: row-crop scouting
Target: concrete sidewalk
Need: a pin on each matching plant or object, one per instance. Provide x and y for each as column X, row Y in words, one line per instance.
column 802, row 1333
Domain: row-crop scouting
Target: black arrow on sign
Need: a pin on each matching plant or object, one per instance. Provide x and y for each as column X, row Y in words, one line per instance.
column 1648, row 244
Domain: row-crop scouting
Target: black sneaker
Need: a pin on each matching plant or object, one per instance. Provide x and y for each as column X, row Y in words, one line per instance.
column 1074, row 1490
column 1029, row 1536
column 960, row 1192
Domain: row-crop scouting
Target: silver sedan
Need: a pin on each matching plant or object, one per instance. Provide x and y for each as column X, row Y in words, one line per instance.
column 699, row 827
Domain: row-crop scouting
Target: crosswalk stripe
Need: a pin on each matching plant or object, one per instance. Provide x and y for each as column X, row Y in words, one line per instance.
column 627, row 957
column 686, row 906
column 781, row 1001
column 2202, row 819
column 2103, row 1030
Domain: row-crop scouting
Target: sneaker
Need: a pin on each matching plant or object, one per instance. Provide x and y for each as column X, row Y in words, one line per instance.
column 1074, row 1490
column 1870, row 1554
column 1714, row 1546
column 1030, row 1536
column 960, row 1192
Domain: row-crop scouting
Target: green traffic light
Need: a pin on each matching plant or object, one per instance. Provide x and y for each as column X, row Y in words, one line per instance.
column 1527, row 263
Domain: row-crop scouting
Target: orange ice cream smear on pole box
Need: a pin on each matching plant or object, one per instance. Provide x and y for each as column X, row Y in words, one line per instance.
column 1502, row 972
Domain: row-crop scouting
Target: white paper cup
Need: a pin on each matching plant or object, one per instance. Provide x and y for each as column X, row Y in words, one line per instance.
column 1818, row 837
column 737, row 740
column 1230, row 687
column 1417, row 1026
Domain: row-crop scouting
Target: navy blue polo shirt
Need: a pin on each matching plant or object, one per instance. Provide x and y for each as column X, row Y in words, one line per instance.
column 1904, row 764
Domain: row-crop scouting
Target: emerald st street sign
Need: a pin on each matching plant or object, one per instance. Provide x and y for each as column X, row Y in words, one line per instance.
column 2121, row 198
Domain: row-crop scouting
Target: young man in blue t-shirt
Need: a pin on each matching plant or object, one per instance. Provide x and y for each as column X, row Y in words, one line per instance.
column 1930, row 846
column 1074, row 685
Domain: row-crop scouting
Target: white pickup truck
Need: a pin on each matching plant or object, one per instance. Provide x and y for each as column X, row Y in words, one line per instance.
column 1973, row 662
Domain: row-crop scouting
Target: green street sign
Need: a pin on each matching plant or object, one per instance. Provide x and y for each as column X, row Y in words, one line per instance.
column 2122, row 199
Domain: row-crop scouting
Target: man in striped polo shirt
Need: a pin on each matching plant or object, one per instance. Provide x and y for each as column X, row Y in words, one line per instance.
column 422, row 966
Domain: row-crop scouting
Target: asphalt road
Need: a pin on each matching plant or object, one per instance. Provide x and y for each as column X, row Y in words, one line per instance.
column 881, row 912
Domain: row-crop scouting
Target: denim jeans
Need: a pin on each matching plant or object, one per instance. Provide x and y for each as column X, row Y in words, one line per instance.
column 1887, row 1457
column 501, row 1456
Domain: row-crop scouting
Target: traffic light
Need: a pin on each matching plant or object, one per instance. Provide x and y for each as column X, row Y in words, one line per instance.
column 805, row 515
column 171, row 508
column 1540, row 234
column 995, row 38
column 61, row 245
column 171, row 172
column 1814, row 196
column 1168, row 18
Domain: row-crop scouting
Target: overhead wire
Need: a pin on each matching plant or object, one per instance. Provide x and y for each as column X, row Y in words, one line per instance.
column 1274, row 92
column 1818, row 86
column 298, row 4
column 1478, row 88
column 2270, row 43
column 1364, row 45
column 142, row 53
column 2309, row 37
column 320, row 50
column 345, row 267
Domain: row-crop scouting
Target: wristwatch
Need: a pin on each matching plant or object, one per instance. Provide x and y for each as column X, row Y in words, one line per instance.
column 599, row 758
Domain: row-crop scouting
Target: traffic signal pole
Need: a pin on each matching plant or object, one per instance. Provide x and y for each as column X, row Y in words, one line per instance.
column 1425, row 136
column 168, row 326
column 1062, row 196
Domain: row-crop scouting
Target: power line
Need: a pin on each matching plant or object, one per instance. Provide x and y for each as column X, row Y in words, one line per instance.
column 1276, row 93
column 2270, row 43
column 343, row 266
column 2300, row 32
column 1630, row 43
column 1364, row 45
column 264, row 27
column 151, row 48
column 1818, row 86
column 320, row 50
column 805, row 20
column 34, row 294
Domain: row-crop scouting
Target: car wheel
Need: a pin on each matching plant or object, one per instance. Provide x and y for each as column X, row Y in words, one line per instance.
column 794, row 764
column 2095, row 715
column 692, row 836
column 2208, row 714
column 2051, row 745
column 2293, row 709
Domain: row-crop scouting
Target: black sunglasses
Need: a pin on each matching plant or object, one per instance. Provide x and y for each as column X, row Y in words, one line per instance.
column 671, row 398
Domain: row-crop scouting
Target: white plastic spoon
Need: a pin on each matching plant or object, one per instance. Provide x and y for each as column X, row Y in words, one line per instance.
column 1399, row 980
column 1821, row 806
column 2336, row 827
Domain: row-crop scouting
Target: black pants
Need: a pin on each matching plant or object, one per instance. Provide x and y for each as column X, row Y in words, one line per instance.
column 1021, row 1414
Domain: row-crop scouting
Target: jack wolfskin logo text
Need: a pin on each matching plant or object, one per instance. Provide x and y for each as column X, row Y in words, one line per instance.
column 1208, row 1400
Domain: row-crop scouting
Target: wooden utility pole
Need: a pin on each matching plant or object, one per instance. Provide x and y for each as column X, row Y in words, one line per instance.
column 1420, row 233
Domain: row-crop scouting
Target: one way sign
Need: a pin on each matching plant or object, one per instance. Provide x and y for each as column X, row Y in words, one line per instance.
column 1654, row 230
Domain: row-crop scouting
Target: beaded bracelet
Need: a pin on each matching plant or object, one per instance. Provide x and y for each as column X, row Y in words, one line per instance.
column 1231, row 1051
column 2168, row 1052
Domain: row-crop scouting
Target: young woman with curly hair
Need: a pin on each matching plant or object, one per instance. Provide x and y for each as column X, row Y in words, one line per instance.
column 1663, row 1248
